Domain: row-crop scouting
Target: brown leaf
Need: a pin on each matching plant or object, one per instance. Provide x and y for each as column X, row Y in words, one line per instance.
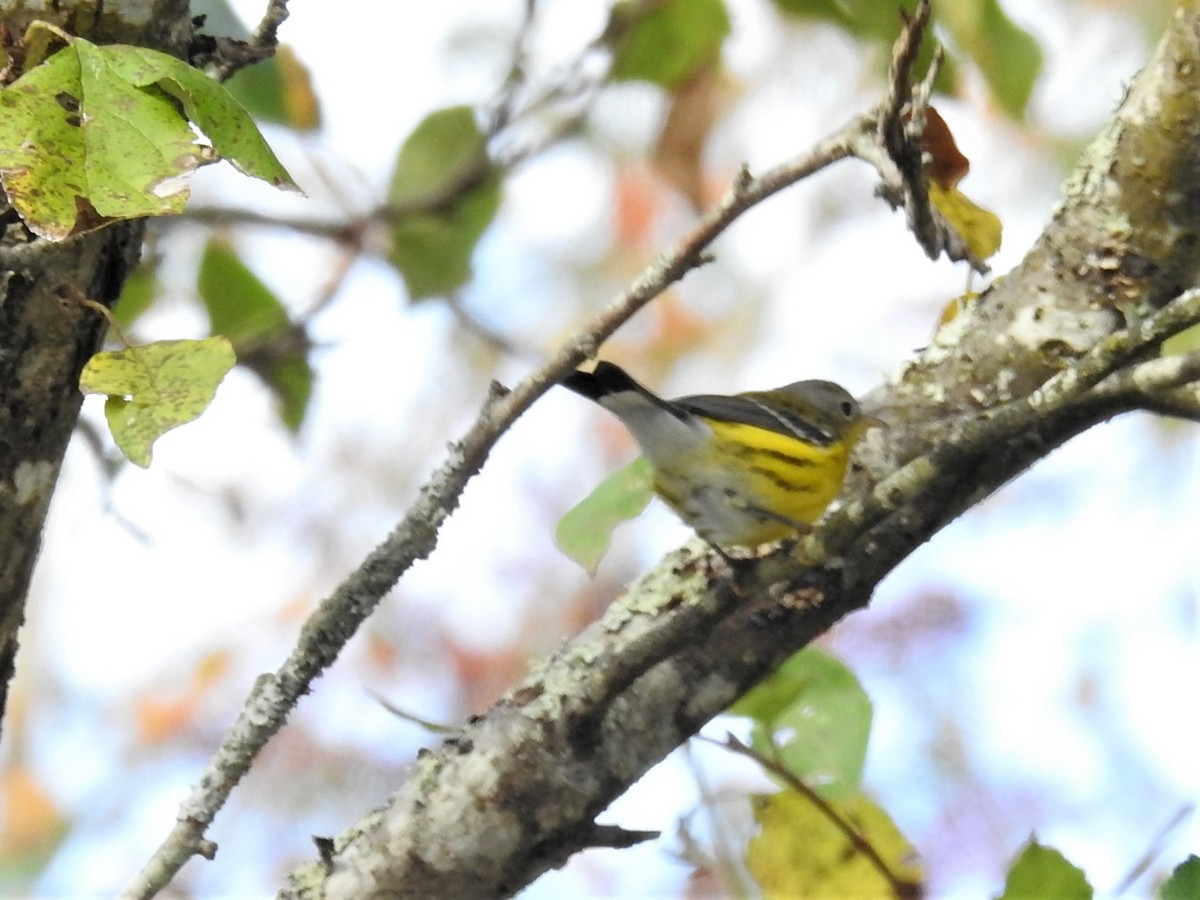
column 678, row 156
column 947, row 166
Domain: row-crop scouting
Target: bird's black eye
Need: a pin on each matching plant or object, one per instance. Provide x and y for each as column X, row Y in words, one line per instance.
column 847, row 409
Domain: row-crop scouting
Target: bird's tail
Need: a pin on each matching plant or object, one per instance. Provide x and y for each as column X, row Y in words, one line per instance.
column 607, row 378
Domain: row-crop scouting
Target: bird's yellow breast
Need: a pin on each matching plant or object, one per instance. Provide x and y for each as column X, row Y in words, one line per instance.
column 749, row 485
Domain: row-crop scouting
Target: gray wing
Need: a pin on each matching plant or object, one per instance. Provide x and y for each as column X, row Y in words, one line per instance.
column 747, row 409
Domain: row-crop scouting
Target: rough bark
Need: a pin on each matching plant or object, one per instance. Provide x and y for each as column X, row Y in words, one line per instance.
column 46, row 334
column 518, row 791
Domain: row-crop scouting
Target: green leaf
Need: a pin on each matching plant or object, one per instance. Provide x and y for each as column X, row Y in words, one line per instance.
column 800, row 851
column 444, row 153
column 1184, row 883
column 239, row 305
column 819, row 707
column 155, row 387
column 1008, row 57
column 95, row 134
column 1039, row 872
column 242, row 308
column 278, row 89
column 291, row 380
column 667, row 42
column 861, row 18
column 230, row 129
column 585, row 531
column 138, row 292
column 445, row 192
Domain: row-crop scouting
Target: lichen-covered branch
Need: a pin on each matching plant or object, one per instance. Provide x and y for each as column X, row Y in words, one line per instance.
column 338, row 617
column 1050, row 350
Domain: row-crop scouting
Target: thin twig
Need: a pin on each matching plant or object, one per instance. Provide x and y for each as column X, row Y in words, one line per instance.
column 502, row 110
column 230, row 55
column 1156, row 846
column 428, row 724
column 896, row 149
column 900, row 886
column 1086, row 382
column 471, row 323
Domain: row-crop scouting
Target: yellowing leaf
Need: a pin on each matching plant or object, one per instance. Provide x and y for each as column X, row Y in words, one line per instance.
column 585, row 531
column 800, row 852
column 31, row 824
column 278, row 89
column 979, row 228
column 1186, row 341
column 96, row 134
column 155, row 387
column 951, row 310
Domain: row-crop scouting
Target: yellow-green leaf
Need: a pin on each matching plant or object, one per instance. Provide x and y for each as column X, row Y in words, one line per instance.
column 1184, row 883
column 96, row 133
column 1186, row 341
column 667, row 42
column 980, row 229
column 155, row 387
column 813, row 716
column 800, row 852
column 242, row 308
column 138, row 292
column 585, row 531
column 278, row 89
column 1040, row 872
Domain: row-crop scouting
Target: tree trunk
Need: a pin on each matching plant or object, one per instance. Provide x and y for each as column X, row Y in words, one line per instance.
column 46, row 333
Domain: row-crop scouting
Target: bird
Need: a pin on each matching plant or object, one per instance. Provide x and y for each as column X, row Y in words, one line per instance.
column 740, row 469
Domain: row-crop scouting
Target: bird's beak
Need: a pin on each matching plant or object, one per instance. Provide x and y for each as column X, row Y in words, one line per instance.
column 873, row 422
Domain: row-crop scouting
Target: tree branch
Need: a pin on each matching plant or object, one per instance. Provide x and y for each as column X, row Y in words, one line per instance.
column 1015, row 375
column 338, row 617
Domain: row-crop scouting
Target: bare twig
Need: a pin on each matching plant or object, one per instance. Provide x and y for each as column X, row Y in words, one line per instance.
column 228, row 56
column 1156, row 847
column 471, row 323
column 502, row 110
column 1151, row 384
column 895, row 148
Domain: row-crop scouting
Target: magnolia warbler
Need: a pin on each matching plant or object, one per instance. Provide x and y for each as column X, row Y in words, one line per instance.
column 741, row 469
